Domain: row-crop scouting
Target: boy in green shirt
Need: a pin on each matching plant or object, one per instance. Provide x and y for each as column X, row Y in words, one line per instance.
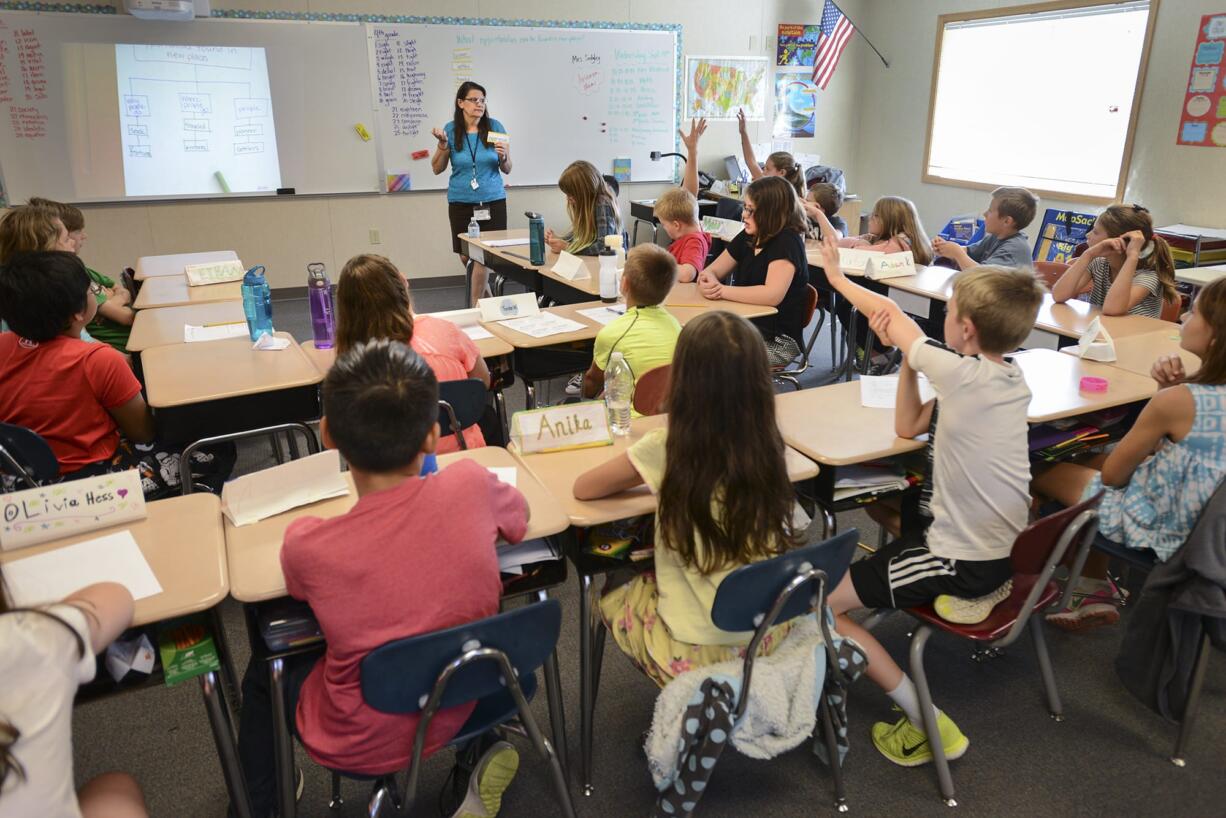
column 647, row 333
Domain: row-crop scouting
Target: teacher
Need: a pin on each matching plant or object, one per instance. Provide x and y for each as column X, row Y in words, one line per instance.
column 479, row 153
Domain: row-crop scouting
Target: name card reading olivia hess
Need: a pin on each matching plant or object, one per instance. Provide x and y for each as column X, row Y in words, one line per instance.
column 48, row 513
column 570, row 426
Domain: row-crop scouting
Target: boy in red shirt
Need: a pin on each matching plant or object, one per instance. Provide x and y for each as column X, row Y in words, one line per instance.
column 677, row 210
column 414, row 555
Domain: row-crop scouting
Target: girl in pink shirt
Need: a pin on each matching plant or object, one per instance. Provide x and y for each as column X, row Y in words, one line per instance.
column 894, row 226
column 372, row 301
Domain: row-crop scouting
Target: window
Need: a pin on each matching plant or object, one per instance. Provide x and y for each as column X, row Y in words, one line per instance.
column 1043, row 96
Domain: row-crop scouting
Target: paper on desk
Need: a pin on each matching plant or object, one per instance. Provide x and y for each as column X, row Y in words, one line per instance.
column 53, row 575
column 217, row 332
column 603, row 315
column 1095, row 343
column 543, row 325
column 504, row 242
column 881, row 391
column 477, row 333
column 511, row 557
column 468, row 320
column 570, row 266
column 270, row 343
column 262, row 494
column 506, row 474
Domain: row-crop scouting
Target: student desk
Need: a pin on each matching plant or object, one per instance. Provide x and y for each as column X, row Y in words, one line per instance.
column 1072, row 318
column 171, row 265
column 254, row 555
column 686, row 303
column 1055, row 385
column 323, row 359
column 164, row 325
column 1200, row 276
column 182, row 540
column 218, row 387
column 557, row 472
column 172, row 291
column 515, row 263
column 1137, row 353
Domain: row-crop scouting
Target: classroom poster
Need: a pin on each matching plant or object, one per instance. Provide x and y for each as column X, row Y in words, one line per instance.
column 1061, row 232
column 795, row 106
column 797, row 45
column 1202, row 119
column 717, row 86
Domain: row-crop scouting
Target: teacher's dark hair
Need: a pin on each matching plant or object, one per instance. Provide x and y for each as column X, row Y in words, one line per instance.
column 459, row 128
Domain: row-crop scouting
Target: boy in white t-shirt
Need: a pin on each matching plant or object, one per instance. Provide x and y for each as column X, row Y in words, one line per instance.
column 980, row 473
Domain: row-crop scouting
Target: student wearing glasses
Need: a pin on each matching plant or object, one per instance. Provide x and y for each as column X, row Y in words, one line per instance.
column 479, row 153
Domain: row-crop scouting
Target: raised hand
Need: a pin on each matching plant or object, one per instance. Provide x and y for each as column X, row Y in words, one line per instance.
column 697, row 128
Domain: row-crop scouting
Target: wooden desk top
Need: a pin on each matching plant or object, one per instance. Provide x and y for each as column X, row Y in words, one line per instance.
column 1073, row 317
column 828, row 425
column 557, row 472
column 164, row 325
column 181, row 374
column 1137, row 353
column 686, row 303
column 254, row 551
column 932, row 282
column 171, row 265
column 183, row 542
column 521, row 341
column 1055, row 385
column 324, row 358
column 519, row 256
column 1200, row 276
column 172, row 291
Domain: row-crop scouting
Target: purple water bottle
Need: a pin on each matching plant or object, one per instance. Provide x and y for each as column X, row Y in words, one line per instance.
column 319, row 294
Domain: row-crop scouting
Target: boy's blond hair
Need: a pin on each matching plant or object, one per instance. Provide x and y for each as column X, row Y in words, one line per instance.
column 1017, row 203
column 677, row 205
column 1002, row 303
column 650, row 273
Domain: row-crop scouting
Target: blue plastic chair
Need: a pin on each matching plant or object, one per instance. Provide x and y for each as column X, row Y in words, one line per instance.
column 492, row 661
column 26, row 456
column 460, row 405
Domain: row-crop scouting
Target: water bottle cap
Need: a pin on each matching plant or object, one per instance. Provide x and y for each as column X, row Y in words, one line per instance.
column 616, row 356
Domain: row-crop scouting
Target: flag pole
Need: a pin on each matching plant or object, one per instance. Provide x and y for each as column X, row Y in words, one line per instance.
column 884, row 61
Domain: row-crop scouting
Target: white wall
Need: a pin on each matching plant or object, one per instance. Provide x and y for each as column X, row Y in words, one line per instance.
column 285, row 233
column 1177, row 183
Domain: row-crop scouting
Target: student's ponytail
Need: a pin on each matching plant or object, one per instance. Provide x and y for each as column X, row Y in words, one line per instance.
column 790, row 169
column 1163, row 263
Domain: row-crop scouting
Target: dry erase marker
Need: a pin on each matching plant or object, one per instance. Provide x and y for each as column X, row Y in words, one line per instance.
column 362, row 132
column 221, row 180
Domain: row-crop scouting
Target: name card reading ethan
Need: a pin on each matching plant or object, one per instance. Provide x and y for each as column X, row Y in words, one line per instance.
column 38, row 515
column 571, row 426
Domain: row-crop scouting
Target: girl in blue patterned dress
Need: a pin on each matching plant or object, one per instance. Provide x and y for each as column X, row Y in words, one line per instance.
column 1161, row 474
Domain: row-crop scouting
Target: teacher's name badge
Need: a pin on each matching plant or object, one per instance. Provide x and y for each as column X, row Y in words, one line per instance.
column 48, row 513
column 502, row 307
column 571, row 426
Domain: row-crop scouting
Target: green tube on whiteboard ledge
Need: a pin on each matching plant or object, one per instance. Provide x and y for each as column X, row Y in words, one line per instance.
column 221, row 180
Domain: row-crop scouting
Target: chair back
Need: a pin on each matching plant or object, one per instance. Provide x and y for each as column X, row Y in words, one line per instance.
column 460, row 404
column 651, row 389
column 1171, row 310
column 1049, row 272
column 26, row 456
column 290, row 430
column 460, row 664
column 810, row 303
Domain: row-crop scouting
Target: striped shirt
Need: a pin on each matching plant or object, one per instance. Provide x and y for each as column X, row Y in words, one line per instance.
column 1150, row 305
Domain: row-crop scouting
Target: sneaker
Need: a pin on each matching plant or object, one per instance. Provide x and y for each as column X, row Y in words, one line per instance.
column 489, row 781
column 970, row 611
column 575, row 385
column 907, row 745
column 1086, row 611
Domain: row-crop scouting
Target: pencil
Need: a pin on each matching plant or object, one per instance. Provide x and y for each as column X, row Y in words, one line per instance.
column 706, row 304
column 223, row 323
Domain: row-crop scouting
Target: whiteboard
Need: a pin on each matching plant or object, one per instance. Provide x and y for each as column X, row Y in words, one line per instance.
column 561, row 94
column 62, row 134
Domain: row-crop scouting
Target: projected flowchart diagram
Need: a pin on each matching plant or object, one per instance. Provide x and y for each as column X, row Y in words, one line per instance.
column 195, row 120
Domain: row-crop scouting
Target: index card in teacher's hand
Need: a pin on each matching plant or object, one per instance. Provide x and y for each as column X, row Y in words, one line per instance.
column 53, row 575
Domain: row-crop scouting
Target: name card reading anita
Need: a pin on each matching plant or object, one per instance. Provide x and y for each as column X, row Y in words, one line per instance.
column 570, row 426
column 48, row 513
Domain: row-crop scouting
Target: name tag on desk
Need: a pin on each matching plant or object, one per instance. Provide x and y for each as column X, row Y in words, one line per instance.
column 502, row 307
column 39, row 515
column 569, row 426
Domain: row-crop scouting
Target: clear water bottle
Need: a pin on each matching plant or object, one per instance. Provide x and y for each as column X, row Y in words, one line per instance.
column 618, row 393
column 319, row 295
column 536, row 237
column 474, row 228
column 608, row 275
column 257, row 302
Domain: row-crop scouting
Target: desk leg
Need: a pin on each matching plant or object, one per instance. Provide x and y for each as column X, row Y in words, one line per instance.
column 585, row 683
column 553, row 691
column 223, row 738
column 283, row 744
column 229, row 673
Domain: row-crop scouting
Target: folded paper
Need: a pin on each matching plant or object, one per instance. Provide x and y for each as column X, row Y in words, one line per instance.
column 1095, row 343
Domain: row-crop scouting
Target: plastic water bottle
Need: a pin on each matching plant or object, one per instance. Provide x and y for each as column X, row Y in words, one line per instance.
column 474, row 228
column 536, row 237
column 617, row 244
column 319, row 294
column 257, row 302
column 429, row 465
column 618, row 393
column 608, row 275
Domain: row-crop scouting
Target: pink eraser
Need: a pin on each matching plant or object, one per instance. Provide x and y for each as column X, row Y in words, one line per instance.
column 1092, row 384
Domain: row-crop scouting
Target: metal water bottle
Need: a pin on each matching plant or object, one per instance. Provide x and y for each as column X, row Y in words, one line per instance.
column 536, row 237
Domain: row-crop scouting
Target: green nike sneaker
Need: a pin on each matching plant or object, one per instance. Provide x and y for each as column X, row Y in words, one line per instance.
column 907, row 745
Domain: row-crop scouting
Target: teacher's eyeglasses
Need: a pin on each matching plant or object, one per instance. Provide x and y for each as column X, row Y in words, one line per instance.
column 476, row 100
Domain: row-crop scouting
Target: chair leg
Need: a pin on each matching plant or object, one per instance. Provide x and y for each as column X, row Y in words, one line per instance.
column 530, row 389
column 1189, row 708
column 283, row 743
column 336, row 802
column 546, row 749
column 944, row 780
column 832, row 753
column 585, row 684
column 553, row 692
column 598, row 635
column 377, row 797
column 1049, row 677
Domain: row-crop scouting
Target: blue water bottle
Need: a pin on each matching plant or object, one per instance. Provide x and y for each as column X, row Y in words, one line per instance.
column 429, row 465
column 536, row 236
column 257, row 302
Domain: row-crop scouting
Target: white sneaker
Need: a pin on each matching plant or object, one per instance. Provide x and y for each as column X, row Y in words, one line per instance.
column 970, row 611
column 494, row 773
column 575, row 385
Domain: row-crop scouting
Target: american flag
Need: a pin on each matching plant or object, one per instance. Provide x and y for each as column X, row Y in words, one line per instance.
column 836, row 33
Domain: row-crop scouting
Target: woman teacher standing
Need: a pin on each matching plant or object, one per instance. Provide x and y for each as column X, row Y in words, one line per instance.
column 477, row 164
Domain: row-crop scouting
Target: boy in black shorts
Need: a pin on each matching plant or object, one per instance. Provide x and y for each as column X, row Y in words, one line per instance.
column 980, row 473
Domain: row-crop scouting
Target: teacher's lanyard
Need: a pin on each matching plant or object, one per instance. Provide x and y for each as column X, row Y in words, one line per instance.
column 472, row 149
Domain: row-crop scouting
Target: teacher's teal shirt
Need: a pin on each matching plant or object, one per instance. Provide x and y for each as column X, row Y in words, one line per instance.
column 489, row 178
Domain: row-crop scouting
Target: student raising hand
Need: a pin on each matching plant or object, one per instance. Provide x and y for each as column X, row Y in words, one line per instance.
column 697, row 128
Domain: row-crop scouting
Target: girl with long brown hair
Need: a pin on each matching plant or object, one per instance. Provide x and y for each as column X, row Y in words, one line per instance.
column 724, row 498
column 1128, row 268
column 894, row 226
column 372, row 301
column 592, row 209
column 1159, row 477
